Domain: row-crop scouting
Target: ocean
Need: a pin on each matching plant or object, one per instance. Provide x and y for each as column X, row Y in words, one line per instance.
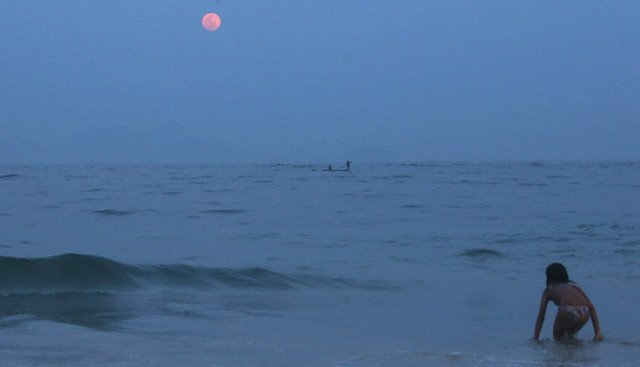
column 421, row 264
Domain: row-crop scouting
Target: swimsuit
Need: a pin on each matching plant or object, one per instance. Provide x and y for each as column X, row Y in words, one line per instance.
column 578, row 312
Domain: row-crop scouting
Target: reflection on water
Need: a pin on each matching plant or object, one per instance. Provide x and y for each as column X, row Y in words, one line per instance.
column 568, row 352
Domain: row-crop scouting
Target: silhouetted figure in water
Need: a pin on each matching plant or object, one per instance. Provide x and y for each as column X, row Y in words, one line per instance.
column 341, row 169
column 574, row 307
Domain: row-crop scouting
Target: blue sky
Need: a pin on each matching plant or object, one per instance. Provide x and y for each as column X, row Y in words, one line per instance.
column 319, row 81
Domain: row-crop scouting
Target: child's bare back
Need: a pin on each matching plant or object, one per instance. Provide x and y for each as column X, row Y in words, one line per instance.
column 574, row 306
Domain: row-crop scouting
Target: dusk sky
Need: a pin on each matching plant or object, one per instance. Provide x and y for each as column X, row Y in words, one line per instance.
column 318, row 81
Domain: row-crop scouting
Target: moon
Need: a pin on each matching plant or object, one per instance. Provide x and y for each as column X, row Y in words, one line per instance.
column 211, row 21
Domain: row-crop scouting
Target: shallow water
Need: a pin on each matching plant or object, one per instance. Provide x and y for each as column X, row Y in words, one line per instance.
column 283, row 265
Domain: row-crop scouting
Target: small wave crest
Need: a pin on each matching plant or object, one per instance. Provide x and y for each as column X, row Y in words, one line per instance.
column 70, row 272
column 223, row 211
column 113, row 212
column 481, row 253
column 9, row 176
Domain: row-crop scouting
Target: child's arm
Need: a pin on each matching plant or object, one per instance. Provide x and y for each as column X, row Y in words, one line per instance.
column 541, row 313
column 594, row 317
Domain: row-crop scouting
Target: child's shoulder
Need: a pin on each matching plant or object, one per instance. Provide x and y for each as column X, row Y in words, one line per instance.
column 558, row 288
column 570, row 283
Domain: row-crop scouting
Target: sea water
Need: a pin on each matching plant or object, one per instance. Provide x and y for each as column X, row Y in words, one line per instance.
column 434, row 264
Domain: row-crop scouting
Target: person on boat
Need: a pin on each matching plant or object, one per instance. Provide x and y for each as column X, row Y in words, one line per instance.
column 574, row 307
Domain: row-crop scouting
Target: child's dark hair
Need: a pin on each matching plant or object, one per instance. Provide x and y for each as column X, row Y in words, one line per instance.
column 556, row 273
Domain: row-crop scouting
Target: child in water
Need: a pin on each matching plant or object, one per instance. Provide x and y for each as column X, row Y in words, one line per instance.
column 574, row 307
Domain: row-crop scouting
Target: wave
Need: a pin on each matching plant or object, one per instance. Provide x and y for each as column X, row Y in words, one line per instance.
column 114, row 212
column 75, row 272
column 223, row 211
column 413, row 206
column 8, row 176
column 69, row 271
column 481, row 253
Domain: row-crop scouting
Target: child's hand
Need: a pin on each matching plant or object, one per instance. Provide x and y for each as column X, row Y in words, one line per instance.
column 598, row 337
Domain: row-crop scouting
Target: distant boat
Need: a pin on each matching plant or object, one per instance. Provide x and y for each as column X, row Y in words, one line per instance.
column 331, row 169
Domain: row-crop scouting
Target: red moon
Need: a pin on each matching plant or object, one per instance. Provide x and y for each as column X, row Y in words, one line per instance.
column 211, row 21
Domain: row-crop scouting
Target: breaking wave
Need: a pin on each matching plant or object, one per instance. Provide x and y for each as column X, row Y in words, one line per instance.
column 73, row 272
